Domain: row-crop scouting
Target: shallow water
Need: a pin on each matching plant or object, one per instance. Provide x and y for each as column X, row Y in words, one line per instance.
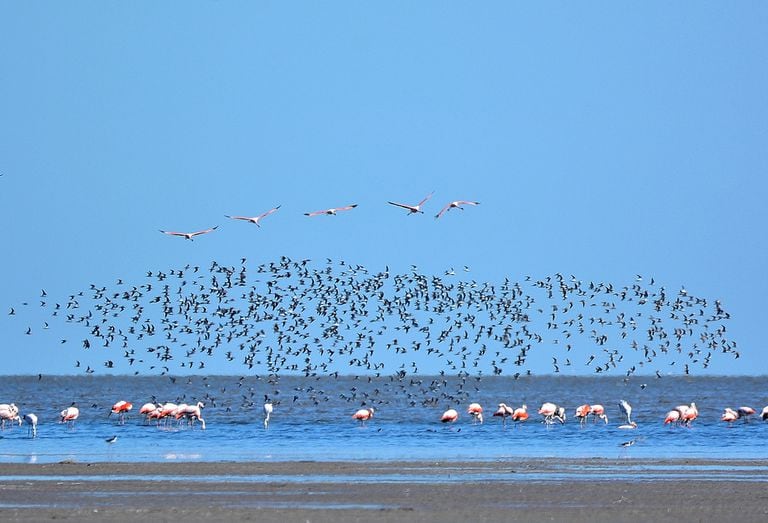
column 312, row 419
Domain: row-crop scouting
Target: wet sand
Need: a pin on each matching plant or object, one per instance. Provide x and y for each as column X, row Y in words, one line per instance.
column 424, row 492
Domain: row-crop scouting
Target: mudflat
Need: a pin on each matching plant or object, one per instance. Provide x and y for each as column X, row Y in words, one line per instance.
column 523, row 490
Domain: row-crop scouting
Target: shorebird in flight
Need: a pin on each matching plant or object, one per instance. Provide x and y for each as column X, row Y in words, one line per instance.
column 455, row 205
column 331, row 211
column 254, row 219
column 413, row 209
column 189, row 235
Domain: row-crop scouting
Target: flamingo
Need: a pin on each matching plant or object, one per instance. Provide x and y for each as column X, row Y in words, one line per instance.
column 626, row 409
column 745, row 412
column 121, row 408
column 363, row 415
column 8, row 412
column 32, row 420
column 598, row 411
column 147, row 409
column 690, row 414
column 449, row 416
column 504, row 412
column 413, row 209
column 189, row 235
column 268, row 408
column 476, row 411
column 552, row 413
column 69, row 415
column 192, row 413
column 254, row 219
column 673, row 416
column 764, row 414
column 454, row 205
column 582, row 411
column 332, row 211
column 520, row 414
column 729, row 415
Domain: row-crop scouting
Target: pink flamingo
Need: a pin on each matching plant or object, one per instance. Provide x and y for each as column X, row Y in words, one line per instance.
column 332, row 211
column 413, row 209
column 449, row 416
column 598, row 411
column 476, row 411
column 504, row 412
column 363, row 415
column 9, row 412
column 745, row 412
column 582, row 411
column 552, row 413
column 146, row 410
column 690, row 414
column 729, row 415
column 69, row 415
column 191, row 413
column 189, row 235
column 121, row 408
column 254, row 219
column 454, row 205
column 673, row 417
column 520, row 414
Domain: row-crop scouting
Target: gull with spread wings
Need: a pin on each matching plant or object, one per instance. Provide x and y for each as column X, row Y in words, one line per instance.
column 189, row 235
column 254, row 219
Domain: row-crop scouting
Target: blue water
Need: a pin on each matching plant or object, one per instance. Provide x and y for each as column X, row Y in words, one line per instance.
column 312, row 419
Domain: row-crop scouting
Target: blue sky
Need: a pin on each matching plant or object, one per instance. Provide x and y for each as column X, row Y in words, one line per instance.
column 603, row 141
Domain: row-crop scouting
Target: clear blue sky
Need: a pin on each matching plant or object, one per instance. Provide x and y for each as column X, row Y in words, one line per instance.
column 602, row 140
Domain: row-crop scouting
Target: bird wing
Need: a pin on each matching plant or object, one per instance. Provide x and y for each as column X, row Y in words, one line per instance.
column 404, row 206
column 443, row 210
column 172, row 233
column 274, row 209
column 197, row 233
column 466, row 202
column 347, row 208
column 315, row 213
column 425, row 199
column 247, row 218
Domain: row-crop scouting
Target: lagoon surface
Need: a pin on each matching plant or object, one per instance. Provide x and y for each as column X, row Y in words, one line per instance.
column 312, row 419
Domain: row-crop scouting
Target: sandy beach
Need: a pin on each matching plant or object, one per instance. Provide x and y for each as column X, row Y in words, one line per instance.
column 530, row 490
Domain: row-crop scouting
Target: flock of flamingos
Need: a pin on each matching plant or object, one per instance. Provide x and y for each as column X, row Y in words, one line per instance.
column 190, row 414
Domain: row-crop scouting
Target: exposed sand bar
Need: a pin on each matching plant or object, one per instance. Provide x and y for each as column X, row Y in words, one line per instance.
column 527, row 490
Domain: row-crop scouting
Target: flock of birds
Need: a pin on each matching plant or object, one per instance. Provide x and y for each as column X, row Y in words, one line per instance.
column 294, row 317
column 182, row 414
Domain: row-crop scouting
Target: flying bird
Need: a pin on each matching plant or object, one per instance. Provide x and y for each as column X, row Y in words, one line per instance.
column 332, row 211
column 254, row 219
column 189, row 235
column 413, row 209
column 454, row 205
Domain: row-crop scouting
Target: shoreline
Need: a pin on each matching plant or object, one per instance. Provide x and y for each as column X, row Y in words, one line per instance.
column 577, row 490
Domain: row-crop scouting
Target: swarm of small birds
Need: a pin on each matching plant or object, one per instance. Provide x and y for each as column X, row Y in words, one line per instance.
column 300, row 318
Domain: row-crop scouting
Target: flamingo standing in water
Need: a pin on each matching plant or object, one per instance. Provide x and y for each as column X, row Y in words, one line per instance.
column 332, row 211
column 32, row 420
column 552, row 413
column 9, row 412
column 690, row 414
column 729, row 415
column 520, row 414
column 673, row 417
column 476, row 411
column 454, row 205
column 268, row 408
column 449, row 416
column 598, row 411
column 413, row 209
column 363, row 415
column 192, row 413
column 69, row 415
column 146, row 410
column 745, row 412
column 189, row 235
column 504, row 412
column 582, row 412
column 254, row 219
column 121, row 408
